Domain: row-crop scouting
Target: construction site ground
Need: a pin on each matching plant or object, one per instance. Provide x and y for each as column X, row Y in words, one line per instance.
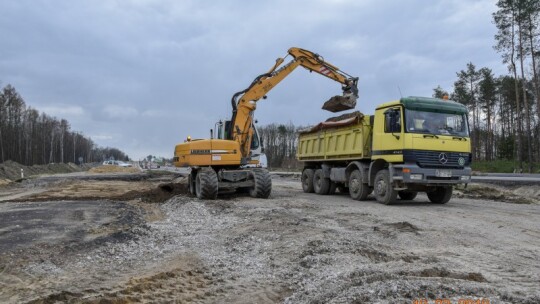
column 138, row 237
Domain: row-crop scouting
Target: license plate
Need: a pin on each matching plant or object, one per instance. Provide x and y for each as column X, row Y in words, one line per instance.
column 443, row 173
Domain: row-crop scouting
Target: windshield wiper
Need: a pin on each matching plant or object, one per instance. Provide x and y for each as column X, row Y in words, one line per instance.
column 431, row 135
column 460, row 138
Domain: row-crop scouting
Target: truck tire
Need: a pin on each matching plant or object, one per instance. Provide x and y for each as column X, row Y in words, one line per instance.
column 384, row 191
column 321, row 185
column 263, row 184
column 307, row 180
column 441, row 195
column 407, row 195
column 357, row 189
column 206, row 184
column 333, row 188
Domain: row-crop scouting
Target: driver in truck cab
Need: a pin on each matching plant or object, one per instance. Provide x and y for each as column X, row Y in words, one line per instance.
column 432, row 123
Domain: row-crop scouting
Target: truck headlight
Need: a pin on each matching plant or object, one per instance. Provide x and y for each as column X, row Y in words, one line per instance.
column 465, row 177
column 416, row 176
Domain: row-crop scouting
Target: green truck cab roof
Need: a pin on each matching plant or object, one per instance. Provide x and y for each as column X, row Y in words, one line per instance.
column 428, row 104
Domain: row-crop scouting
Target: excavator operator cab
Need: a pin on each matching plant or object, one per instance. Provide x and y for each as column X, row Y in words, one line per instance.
column 222, row 131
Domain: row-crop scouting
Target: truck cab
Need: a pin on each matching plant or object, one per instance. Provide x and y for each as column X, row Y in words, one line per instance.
column 410, row 145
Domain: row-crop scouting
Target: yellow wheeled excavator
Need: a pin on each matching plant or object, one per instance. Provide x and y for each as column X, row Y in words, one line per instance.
column 220, row 163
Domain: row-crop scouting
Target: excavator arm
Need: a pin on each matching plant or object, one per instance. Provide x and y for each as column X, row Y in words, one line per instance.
column 245, row 102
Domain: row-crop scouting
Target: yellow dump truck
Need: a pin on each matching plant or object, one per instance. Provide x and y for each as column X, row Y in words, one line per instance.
column 411, row 145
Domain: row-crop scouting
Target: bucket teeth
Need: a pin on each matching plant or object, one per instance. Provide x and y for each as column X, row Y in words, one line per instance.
column 339, row 103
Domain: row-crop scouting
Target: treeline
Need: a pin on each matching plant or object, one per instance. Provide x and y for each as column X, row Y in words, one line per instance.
column 505, row 110
column 33, row 138
column 280, row 144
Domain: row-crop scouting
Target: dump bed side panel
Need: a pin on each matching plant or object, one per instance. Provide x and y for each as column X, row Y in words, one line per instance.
column 342, row 143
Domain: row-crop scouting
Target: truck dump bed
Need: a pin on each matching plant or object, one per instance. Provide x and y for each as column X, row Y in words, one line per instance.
column 348, row 138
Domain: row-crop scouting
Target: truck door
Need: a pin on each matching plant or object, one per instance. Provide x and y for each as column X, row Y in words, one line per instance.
column 388, row 139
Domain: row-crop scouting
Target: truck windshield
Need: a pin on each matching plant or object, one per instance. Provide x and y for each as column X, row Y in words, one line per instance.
column 436, row 123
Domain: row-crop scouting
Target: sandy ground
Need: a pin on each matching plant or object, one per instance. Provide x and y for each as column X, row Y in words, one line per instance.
column 140, row 239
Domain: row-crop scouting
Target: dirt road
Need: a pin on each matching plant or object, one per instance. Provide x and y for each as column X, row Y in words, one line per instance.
column 292, row 248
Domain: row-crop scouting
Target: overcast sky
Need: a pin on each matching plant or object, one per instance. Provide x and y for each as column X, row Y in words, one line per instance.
column 142, row 75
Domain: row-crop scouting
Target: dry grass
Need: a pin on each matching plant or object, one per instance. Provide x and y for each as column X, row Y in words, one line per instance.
column 112, row 169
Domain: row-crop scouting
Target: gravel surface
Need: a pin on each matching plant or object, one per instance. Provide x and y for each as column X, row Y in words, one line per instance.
column 291, row 248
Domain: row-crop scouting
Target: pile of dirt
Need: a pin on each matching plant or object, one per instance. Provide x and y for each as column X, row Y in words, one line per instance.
column 113, row 169
column 12, row 170
column 521, row 195
column 355, row 114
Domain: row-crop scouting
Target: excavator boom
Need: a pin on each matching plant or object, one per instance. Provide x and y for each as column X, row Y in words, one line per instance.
column 244, row 102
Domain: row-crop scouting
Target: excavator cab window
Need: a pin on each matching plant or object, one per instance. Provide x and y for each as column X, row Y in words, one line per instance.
column 255, row 140
column 228, row 130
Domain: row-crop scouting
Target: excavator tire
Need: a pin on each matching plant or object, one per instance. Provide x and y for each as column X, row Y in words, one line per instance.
column 206, row 184
column 263, row 184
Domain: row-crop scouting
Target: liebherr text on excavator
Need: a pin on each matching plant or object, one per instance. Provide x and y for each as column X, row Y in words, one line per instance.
column 219, row 163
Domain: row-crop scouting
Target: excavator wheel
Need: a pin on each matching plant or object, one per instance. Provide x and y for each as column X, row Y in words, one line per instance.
column 263, row 184
column 206, row 184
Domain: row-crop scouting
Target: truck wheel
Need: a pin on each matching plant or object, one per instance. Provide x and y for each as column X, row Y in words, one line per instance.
column 384, row 192
column 206, row 184
column 441, row 195
column 263, row 183
column 307, row 180
column 357, row 189
column 407, row 195
column 333, row 188
column 321, row 185
column 191, row 184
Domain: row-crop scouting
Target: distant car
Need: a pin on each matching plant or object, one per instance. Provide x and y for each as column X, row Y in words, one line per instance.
column 123, row 164
column 116, row 163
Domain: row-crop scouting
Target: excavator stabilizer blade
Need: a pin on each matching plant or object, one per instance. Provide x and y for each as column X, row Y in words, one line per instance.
column 339, row 103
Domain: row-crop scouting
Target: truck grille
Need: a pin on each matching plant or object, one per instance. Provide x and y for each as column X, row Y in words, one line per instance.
column 437, row 159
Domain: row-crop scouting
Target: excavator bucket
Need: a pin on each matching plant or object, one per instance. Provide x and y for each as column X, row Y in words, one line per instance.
column 339, row 103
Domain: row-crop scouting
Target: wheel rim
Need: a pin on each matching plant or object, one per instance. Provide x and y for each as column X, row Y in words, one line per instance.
column 354, row 185
column 381, row 187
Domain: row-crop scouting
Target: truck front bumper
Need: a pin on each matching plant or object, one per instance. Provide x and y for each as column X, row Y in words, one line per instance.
column 413, row 174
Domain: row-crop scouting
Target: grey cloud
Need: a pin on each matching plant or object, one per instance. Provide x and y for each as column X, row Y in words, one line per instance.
column 148, row 73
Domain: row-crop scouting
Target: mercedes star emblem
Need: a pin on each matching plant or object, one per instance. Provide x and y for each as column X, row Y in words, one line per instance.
column 443, row 158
